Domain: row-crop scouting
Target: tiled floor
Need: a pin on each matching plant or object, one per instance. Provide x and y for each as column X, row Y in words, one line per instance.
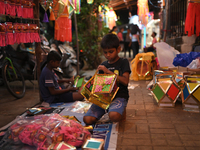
column 149, row 127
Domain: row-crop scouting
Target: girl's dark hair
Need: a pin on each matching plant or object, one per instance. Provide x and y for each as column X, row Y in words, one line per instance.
column 113, row 29
column 110, row 41
column 155, row 33
column 53, row 55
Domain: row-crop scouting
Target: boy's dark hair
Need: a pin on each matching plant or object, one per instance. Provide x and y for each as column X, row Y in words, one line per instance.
column 155, row 33
column 53, row 55
column 110, row 41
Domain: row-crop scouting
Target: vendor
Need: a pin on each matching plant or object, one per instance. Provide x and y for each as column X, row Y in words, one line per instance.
column 151, row 48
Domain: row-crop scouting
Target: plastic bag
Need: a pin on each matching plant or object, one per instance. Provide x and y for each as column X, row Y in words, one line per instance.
column 43, row 130
column 195, row 64
column 165, row 54
column 185, row 59
column 80, row 107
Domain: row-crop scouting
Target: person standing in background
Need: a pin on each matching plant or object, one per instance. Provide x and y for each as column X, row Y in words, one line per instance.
column 127, row 44
column 114, row 30
column 121, row 39
column 151, row 48
column 135, row 40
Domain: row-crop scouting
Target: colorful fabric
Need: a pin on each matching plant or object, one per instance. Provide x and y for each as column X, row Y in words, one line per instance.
column 143, row 11
column 112, row 17
column 193, row 15
column 64, row 30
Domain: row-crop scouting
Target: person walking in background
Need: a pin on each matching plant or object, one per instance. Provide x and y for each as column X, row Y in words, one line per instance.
column 135, row 40
column 127, row 44
column 121, row 39
column 114, row 30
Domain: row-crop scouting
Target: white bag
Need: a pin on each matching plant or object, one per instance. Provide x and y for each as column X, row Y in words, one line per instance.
column 165, row 54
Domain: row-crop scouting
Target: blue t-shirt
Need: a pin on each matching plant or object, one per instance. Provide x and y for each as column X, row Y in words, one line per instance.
column 48, row 78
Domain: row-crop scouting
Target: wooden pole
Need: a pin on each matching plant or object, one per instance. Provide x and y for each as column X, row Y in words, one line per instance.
column 166, row 19
column 77, row 44
column 37, row 44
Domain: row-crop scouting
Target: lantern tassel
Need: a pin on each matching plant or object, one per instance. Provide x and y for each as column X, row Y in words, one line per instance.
column 52, row 16
column 45, row 19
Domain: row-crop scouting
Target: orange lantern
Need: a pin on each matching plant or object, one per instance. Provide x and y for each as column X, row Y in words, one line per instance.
column 143, row 11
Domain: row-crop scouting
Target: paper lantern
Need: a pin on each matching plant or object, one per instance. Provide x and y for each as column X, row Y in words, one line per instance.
column 165, row 91
column 90, row 1
column 101, row 89
column 144, row 66
column 143, row 11
column 191, row 93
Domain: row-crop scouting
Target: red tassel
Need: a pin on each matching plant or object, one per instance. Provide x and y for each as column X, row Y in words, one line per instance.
column 37, row 37
column 25, row 12
column 31, row 12
column 8, row 8
column 32, row 37
column 28, row 37
column 14, row 38
column 22, row 38
column 19, row 10
column 2, row 39
column 17, row 35
column 2, row 8
column 9, row 39
column 12, row 10
column 193, row 14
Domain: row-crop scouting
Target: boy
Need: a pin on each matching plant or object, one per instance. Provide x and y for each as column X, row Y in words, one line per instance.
column 50, row 89
column 119, row 66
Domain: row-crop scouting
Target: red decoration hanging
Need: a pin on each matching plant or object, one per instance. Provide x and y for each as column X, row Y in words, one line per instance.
column 64, row 32
column 193, row 15
column 2, row 7
column 2, row 34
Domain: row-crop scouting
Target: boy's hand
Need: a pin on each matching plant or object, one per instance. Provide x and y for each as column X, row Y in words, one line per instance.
column 73, row 88
column 103, row 68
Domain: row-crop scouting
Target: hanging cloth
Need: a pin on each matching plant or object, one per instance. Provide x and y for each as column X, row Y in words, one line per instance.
column 2, row 7
column 64, row 30
column 193, row 15
column 12, row 9
column 9, row 33
column 143, row 11
column 8, row 7
column 19, row 9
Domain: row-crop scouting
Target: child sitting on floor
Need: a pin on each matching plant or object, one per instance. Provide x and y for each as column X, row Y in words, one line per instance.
column 119, row 66
column 50, row 89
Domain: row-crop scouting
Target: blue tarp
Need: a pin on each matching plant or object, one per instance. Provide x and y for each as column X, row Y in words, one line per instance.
column 185, row 59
